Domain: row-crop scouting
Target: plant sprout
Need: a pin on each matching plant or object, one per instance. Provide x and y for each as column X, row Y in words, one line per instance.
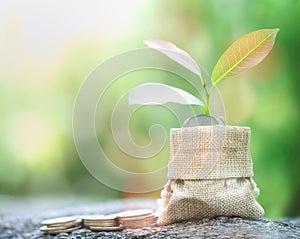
column 242, row 55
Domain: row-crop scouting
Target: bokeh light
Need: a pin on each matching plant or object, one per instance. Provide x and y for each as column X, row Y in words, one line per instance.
column 47, row 49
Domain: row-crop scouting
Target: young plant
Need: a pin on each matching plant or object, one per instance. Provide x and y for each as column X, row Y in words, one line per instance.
column 242, row 55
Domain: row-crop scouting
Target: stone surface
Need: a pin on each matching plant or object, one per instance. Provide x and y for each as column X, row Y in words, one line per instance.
column 21, row 219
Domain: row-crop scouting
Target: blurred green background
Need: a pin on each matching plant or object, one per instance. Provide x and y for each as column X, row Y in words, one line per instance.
column 47, row 48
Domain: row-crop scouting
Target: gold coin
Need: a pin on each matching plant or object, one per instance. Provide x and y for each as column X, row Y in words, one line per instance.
column 153, row 225
column 138, row 223
column 110, row 224
column 60, row 220
column 66, row 225
column 45, row 228
column 134, row 213
column 71, row 229
column 149, row 221
column 134, row 220
column 101, row 221
column 118, row 228
column 137, row 218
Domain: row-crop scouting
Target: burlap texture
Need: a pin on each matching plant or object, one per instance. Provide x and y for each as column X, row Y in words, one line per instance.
column 210, row 174
column 210, row 152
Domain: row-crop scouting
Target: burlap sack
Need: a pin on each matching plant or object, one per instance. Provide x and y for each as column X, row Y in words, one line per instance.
column 210, row 174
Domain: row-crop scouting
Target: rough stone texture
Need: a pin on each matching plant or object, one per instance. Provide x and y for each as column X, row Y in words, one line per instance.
column 21, row 219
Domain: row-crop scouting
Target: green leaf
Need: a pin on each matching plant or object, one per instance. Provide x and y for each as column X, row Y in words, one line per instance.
column 159, row 94
column 243, row 54
column 176, row 54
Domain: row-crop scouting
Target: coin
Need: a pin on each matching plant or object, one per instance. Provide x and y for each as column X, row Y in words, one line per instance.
column 52, row 231
column 61, row 224
column 60, row 220
column 134, row 213
column 104, row 224
column 113, row 222
column 153, row 225
column 66, row 225
column 100, row 220
column 138, row 224
column 117, row 228
column 136, row 218
column 45, row 228
column 202, row 120
column 144, row 217
column 139, row 221
column 98, row 217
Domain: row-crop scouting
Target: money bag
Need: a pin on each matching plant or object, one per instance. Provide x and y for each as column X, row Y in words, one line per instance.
column 209, row 174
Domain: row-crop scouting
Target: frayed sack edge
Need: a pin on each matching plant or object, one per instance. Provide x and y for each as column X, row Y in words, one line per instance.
column 196, row 199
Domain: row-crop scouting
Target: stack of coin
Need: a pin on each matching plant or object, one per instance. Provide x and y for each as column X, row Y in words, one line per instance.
column 137, row 218
column 61, row 224
column 102, row 222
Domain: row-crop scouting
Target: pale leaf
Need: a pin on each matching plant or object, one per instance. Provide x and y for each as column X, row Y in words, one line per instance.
column 176, row 54
column 158, row 94
column 243, row 54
